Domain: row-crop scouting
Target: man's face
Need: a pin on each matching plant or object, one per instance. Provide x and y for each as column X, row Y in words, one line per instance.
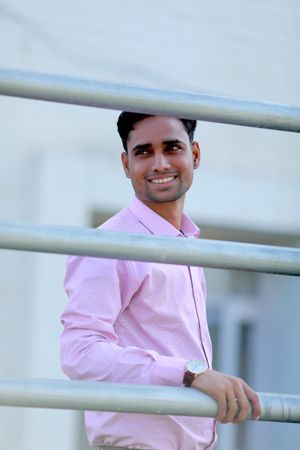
column 160, row 160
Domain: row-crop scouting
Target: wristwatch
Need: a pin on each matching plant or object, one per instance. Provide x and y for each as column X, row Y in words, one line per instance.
column 193, row 368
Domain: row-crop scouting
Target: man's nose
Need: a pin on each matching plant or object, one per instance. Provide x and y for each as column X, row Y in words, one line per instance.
column 160, row 163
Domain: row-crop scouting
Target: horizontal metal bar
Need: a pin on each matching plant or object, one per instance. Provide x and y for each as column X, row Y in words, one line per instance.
column 110, row 244
column 102, row 396
column 211, row 108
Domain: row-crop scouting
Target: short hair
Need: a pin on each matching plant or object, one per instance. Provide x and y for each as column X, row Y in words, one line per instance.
column 127, row 120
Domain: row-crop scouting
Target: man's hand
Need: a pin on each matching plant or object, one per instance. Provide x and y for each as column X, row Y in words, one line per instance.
column 235, row 398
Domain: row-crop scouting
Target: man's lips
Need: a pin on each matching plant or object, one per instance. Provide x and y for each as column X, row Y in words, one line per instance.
column 162, row 180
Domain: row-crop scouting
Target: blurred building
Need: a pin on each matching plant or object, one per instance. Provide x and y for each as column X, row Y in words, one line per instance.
column 61, row 165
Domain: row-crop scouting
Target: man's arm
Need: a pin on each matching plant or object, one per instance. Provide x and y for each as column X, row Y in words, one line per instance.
column 99, row 290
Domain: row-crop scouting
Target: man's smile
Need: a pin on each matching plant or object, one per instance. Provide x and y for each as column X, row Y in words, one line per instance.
column 162, row 180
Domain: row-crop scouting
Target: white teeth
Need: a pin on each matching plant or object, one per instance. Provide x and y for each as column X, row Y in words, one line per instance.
column 162, row 180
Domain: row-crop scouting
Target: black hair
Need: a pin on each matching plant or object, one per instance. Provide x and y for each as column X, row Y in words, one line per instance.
column 127, row 120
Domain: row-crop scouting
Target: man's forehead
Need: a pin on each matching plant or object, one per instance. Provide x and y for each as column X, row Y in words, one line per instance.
column 157, row 128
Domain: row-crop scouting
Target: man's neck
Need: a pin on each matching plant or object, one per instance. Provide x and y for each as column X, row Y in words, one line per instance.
column 170, row 211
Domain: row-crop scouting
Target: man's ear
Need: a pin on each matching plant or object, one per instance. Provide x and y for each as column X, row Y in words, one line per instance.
column 125, row 162
column 196, row 154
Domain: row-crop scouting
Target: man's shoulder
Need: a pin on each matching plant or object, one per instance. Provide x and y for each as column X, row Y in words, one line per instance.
column 124, row 220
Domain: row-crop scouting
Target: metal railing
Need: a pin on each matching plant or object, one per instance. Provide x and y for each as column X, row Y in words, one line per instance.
column 110, row 244
column 103, row 396
column 67, row 240
column 210, row 108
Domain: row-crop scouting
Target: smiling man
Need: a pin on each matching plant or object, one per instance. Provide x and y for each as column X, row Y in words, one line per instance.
column 145, row 323
column 159, row 159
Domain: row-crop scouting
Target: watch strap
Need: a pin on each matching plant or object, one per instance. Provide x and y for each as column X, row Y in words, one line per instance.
column 188, row 378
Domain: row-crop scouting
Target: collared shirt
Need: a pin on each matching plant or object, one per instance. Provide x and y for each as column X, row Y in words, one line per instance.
column 137, row 322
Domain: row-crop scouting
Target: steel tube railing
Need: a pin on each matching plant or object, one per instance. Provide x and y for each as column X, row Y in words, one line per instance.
column 94, row 93
column 102, row 396
column 110, row 244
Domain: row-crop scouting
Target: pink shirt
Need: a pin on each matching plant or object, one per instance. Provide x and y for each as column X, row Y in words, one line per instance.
column 137, row 322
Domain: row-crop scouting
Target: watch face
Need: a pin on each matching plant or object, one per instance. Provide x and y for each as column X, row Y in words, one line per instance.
column 196, row 366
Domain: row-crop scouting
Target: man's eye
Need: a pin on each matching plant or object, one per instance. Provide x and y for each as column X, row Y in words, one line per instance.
column 141, row 152
column 174, row 147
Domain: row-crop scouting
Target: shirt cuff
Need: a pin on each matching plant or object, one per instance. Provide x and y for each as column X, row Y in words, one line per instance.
column 168, row 370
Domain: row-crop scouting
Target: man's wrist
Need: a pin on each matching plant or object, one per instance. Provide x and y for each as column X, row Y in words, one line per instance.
column 193, row 368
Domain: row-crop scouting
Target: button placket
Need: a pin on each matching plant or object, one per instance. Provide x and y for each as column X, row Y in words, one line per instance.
column 198, row 314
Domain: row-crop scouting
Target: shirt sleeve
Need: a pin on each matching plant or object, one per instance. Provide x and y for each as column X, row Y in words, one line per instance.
column 98, row 290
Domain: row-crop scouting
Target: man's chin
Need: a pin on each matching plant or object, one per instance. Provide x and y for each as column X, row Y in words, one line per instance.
column 164, row 199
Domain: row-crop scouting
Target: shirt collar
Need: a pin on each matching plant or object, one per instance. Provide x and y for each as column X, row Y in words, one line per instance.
column 160, row 226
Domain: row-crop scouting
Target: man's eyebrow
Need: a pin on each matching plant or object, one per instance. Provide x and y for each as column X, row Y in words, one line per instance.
column 141, row 147
column 148, row 144
column 172, row 141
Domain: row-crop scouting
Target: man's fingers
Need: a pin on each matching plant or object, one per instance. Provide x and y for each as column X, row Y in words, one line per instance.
column 232, row 409
column 222, row 409
column 254, row 400
column 247, row 400
column 238, row 404
column 243, row 409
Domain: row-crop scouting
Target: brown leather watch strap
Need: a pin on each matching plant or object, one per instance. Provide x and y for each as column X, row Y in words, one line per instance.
column 188, row 378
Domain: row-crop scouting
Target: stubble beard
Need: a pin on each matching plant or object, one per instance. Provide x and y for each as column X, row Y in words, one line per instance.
column 165, row 198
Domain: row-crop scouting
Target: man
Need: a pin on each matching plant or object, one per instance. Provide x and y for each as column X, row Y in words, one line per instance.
column 145, row 323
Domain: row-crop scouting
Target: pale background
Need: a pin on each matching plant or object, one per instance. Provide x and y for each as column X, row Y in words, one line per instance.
column 60, row 165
